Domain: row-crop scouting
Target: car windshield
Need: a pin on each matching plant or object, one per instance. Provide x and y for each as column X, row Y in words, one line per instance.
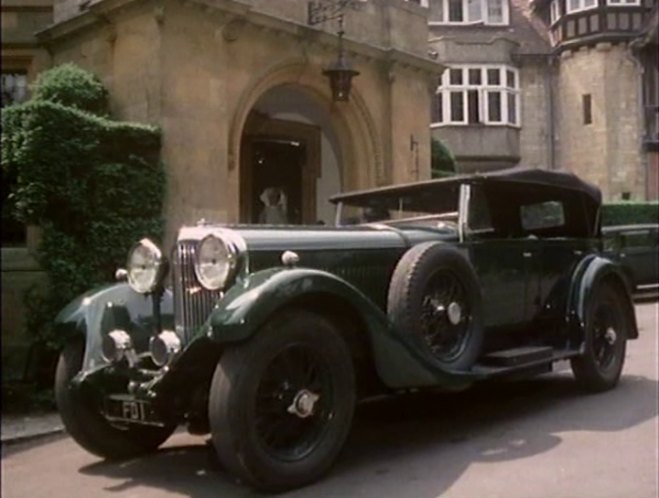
column 415, row 208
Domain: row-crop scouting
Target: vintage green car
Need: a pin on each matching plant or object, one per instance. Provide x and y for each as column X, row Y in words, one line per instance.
column 266, row 336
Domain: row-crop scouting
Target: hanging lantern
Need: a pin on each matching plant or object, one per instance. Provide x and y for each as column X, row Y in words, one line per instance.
column 340, row 74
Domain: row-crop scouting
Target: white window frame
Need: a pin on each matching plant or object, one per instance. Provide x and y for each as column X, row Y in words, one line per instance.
column 484, row 20
column 623, row 3
column 554, row 11
column 445, row 89
column 582, row 6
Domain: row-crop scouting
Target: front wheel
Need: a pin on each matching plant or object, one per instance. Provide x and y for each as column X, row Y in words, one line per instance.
column 606, row 331
column 85, row 423
column 281, row 404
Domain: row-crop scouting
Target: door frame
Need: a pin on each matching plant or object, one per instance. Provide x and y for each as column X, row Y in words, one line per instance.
column 261, row 127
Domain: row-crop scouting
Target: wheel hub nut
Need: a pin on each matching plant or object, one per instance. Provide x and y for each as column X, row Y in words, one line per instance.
column 454, row 313
column 610, row 336
column 303, row 404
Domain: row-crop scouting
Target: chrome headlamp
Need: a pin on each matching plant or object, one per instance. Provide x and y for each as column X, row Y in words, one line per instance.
column 146, row 266
column 216, row 262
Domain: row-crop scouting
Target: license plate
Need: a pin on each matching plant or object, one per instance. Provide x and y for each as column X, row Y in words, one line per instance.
column 125, row 409
column 133, row 410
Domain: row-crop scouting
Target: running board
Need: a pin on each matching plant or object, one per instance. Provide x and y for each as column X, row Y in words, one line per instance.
column 517, row 356
column 520, row 360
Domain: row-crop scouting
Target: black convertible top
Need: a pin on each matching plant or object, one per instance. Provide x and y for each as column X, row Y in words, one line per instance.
column 537, row 177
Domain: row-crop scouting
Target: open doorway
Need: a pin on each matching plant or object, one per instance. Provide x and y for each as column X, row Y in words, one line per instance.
column 280, row 164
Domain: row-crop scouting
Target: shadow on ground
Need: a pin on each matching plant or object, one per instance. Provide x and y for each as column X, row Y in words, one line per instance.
column 422, row 442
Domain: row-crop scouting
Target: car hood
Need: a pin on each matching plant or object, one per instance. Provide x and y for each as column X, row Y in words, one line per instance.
column 305, row 238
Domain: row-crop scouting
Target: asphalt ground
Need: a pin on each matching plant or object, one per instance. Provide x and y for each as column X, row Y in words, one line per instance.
column 529, row 439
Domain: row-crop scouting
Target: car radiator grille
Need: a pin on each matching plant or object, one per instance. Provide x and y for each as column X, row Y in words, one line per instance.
column 192, row 303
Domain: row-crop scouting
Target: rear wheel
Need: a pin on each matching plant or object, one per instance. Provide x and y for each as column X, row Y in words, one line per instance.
column 281, row 404
column 606, row 332
column 84, row 422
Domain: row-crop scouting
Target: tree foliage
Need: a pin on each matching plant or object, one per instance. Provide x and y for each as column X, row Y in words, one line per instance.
column 442, row 161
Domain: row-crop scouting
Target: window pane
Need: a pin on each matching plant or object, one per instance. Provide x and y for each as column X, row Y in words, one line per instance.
column 495, row 11
column 546, row 215
column 475, row 76
column 473, row 107
column 510, row 79
column 494, row 106
column 455, row 76
column 437, row 11
column 494, row 76
column 475, row 13
column 436, row 111
column 457, row 107
column 573, row 5
column 512, row 108
column 590, row 3
column 455, row 13
column 587, row 108
column 14, row 88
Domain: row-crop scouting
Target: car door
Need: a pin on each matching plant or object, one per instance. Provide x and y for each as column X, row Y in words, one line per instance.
column 501, row 259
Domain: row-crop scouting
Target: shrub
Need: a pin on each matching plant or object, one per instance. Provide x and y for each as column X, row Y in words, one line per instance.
column 630, row 213
column 93, row 185
column 72, row 86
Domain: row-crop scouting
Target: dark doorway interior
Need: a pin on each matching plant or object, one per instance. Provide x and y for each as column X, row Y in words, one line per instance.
column 277, row 164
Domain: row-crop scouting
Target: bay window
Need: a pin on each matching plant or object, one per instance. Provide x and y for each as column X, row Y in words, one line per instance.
column 471, row 95
column 579, row 5
column 470, row 12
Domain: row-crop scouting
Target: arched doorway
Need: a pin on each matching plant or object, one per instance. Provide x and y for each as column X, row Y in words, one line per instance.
column 290, row 160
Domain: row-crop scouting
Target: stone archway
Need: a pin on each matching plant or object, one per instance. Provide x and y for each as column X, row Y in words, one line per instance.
column 359, row 149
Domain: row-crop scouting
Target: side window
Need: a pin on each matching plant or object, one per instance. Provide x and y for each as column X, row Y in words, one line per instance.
column 541, row 216
column 479, row 220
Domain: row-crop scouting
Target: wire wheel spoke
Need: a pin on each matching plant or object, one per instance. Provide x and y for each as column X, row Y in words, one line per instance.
column 292, row 402
column 445, row 338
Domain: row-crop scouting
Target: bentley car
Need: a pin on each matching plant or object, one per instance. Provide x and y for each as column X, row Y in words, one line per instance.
column 267, row 336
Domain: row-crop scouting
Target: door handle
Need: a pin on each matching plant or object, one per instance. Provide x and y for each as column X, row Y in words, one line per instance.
column 527, row 254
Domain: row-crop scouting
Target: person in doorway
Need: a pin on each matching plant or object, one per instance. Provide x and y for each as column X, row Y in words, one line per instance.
column 274, row 207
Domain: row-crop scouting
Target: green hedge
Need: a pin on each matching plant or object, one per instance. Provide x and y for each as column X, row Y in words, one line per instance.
column 441, row 159
column 93, row 185
column 630, row 213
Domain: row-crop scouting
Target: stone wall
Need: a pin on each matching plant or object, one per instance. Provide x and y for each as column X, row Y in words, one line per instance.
column 607, row 151
column 197, row 69
column 535, row 137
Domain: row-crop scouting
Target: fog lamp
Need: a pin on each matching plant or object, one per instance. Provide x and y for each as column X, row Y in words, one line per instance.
column 115, row 345
column 164, row 347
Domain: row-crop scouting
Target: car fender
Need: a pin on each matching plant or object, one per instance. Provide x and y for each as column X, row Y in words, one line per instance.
column 248, row 305
column 107, row 308
column 591, row 272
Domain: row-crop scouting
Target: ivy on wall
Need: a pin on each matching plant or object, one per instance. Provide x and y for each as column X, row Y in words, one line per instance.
column 93, row 185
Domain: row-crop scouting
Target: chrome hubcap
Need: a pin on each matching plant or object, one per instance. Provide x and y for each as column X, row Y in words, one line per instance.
column 610, row 336
column 303, row 403
column 454, row 313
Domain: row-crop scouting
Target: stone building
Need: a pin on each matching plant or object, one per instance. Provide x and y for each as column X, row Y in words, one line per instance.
column 239, row 91
column 606, row 111
column 557, row 84
column 493, row 105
